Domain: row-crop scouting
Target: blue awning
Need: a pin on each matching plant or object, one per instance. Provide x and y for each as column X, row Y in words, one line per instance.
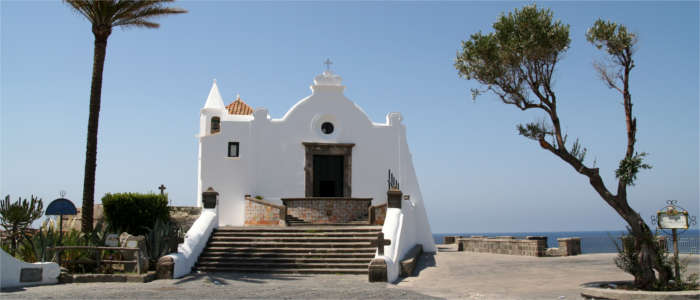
column 61, row 206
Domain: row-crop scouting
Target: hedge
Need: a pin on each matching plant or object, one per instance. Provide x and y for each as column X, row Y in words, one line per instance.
column 134, row 212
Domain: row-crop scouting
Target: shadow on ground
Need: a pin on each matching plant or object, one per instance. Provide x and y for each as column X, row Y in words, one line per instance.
column 223, row 278
column 12, row 289
column 426, row 260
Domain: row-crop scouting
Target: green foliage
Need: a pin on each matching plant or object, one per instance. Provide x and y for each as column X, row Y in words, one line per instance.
column 47, row 236
column 16, row 217
column 629, row 167
column 578, row 151
column 614, row 37
column 114, row 13
column 520, row 53
column 134, row 212
column 535, row 131
column 159, row 240
column 627, row 251
column 618, row 43
column 627, row 260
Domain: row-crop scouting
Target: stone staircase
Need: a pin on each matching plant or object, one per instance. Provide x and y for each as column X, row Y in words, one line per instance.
column 299, row 250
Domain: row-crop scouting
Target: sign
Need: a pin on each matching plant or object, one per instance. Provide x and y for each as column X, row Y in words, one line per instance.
column 112, row 240
column 672, row 219
column 132, row 244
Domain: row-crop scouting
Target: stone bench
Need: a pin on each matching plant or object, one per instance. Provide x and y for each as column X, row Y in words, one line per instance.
column 408, row 263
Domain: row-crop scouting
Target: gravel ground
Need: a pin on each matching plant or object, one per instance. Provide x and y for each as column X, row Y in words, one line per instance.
column 449, row 274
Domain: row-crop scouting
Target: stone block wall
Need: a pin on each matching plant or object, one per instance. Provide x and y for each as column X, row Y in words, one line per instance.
column 505, row 245
column 328, row 210
column 260, row 212
column 377, row 214
column 450, row 239
column 569, row 246
column 184, row 216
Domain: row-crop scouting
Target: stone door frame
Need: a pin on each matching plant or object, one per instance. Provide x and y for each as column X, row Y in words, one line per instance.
column 344, row 149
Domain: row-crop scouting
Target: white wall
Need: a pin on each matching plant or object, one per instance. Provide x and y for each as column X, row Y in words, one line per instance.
column 272, row 157
column 11, row 267
column 195, row 240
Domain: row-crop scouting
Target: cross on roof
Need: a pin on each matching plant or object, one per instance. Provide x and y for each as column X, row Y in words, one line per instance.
column 328, row 64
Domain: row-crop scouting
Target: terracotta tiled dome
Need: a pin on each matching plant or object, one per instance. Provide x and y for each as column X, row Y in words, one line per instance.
column 239, row 107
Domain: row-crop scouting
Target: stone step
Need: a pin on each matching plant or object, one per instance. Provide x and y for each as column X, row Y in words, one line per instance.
column 310, row 239
column 301, row 249
column 257, row 254
column 300, row 244
column 365, row 250
column 282, row 265
column 282, row 260
column 294, row 234
column 310, row 229
column 351, row 223
column 284, row 271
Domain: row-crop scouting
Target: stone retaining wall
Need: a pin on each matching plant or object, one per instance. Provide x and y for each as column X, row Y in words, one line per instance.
column 503, row 245
column 530, row 246
column 328, row 210
column 260, row 212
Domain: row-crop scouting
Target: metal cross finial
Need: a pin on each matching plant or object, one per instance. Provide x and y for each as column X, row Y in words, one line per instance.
column 328, row 64
column 162, row 189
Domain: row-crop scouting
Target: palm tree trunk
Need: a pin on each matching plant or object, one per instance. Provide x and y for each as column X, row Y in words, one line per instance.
column 93, row 120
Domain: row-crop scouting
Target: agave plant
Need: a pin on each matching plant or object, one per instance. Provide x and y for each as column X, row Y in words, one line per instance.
column 158, row 240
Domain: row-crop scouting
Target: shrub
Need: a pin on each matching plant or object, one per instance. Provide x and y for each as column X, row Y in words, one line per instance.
column 134, row 212
column 160, row 241
column 628, row 251
column 16, row 217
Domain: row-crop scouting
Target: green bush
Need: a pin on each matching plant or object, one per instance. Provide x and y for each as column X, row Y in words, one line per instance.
column 134, row 212
column 628, row 250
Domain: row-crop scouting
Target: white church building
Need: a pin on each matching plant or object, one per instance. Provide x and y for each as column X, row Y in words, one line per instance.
column 324, row 162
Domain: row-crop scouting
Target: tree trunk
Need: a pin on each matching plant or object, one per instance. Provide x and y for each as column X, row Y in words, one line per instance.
column 649, row 256
column 93, row 120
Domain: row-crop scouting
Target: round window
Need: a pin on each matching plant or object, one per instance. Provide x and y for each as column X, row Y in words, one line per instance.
column 327, row 127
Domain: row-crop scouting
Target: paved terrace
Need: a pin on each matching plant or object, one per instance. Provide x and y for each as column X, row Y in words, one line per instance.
column 449, row 274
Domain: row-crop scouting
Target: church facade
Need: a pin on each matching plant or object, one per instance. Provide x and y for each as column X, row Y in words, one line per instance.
column 324, row 147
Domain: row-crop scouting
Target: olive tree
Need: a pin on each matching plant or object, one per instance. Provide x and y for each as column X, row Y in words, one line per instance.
column 517, row 61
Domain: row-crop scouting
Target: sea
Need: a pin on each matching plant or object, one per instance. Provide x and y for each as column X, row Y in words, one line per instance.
column 593, row 241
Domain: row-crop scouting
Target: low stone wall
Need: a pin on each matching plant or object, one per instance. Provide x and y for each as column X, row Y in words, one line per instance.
column 503, row 245
column 260, row 212
column 328, row 210
column 184, row 216
column 377, row 214
column 529, row 246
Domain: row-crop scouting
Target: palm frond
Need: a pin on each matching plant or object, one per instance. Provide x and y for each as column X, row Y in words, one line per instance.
column 127, row 13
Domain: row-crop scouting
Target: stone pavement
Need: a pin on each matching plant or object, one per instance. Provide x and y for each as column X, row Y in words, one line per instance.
column 470, row 275
column 224, row 286
column 449, row 274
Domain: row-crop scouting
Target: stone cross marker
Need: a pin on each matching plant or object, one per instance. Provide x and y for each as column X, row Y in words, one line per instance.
column 380, row 242
column 162, row 189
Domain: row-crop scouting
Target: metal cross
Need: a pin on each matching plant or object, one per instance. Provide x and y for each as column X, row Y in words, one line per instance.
column 380, row 242
column 328, row 64
column 162, row 189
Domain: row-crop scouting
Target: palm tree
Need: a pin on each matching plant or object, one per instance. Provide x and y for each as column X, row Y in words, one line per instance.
column 104, row 15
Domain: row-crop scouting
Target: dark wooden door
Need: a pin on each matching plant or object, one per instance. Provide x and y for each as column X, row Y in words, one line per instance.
column 328, row 175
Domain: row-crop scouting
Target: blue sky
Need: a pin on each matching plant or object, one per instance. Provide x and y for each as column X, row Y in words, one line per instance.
column 476, row 173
